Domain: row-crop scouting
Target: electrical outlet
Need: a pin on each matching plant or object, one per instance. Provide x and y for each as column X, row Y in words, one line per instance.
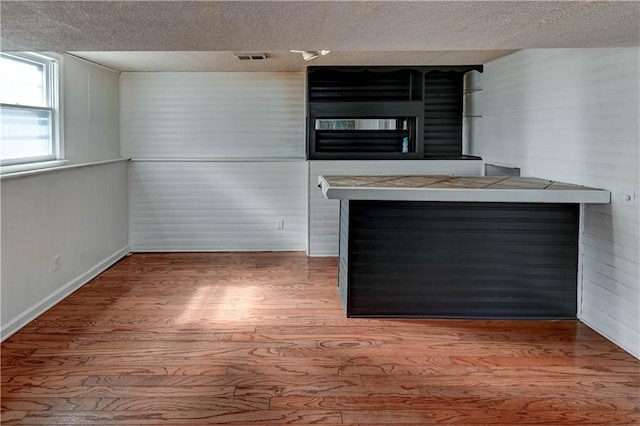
column 629, row 197
column 280, row 224
column 57, row 262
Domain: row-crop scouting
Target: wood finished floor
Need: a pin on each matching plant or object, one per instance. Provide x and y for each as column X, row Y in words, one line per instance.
column 260, row 338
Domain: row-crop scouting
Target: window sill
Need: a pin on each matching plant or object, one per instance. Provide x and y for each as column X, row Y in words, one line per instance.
column 17, row 168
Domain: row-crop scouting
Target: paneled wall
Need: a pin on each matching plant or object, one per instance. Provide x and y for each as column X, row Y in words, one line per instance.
column 228, row 151
column 324, row 214
column 212, row 115
column 90, row 97
column 79, row 214
column 573, row 115
column 217, row 206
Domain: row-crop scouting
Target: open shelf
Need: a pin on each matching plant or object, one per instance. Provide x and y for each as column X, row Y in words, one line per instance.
column 428, row 98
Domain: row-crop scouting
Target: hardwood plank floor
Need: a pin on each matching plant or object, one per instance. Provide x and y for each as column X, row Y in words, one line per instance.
column 260, row 338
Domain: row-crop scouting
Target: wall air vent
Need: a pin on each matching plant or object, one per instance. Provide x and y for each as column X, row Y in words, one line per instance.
column 250, row 56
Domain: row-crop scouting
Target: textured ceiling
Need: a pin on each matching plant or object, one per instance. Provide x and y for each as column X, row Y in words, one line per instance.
column 275, row 27
column 279, row 60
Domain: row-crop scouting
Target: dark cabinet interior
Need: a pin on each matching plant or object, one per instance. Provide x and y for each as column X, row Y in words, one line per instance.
column 363, row 84
column 443, row 102
column 385, row 112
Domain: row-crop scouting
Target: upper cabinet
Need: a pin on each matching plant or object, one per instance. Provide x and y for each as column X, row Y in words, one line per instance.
column 385, row 112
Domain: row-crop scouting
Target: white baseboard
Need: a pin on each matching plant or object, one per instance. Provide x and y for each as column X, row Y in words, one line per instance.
column 47, row 303
column 632, row 351
column 323, row 254
column 225, row 250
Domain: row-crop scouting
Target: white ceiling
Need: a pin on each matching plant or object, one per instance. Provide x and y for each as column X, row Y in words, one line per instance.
column 200, row 35
column 278, row 61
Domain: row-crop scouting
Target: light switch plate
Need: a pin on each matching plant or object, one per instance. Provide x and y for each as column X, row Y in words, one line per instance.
column 56, row 262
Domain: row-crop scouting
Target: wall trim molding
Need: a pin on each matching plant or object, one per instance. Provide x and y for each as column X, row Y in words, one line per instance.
column 47, row 303
column 27, row 173
column 219, row 160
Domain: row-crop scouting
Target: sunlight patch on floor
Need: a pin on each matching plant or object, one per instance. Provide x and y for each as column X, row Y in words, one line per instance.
column 215, row 303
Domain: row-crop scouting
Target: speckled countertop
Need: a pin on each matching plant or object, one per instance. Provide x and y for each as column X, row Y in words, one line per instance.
column 459, row 188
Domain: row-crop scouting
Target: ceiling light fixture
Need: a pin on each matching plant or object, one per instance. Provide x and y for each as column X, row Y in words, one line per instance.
column 308, row 55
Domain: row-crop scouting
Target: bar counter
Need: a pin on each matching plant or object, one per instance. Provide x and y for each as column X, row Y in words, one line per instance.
column 458, row 246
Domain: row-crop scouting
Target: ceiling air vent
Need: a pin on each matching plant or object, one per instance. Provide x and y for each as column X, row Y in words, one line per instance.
column 250, row 56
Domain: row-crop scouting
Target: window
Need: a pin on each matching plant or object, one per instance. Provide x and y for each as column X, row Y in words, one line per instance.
column 29, row 109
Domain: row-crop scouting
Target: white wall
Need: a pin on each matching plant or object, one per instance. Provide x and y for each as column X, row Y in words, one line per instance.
column 91, row 98
column 573, row 115
column 324, row 214
column 212, row 115
column 79, row 212
column 229, row 198
column 217, row 206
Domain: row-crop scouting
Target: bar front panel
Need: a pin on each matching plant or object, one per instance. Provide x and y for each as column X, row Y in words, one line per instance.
column 461, row 260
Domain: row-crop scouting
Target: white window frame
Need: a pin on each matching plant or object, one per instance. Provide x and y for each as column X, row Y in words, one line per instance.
column 53, row 69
